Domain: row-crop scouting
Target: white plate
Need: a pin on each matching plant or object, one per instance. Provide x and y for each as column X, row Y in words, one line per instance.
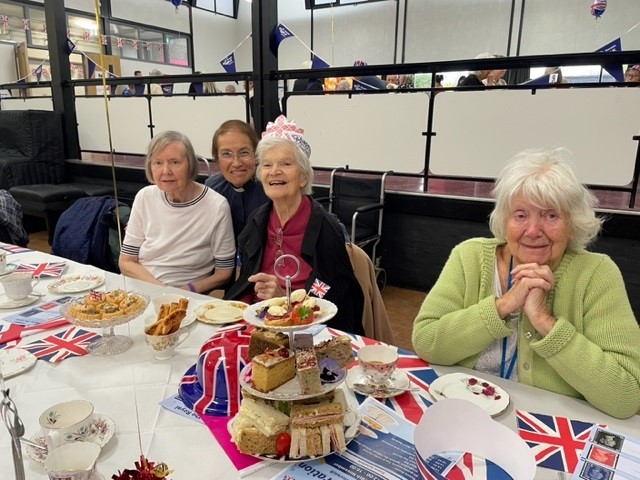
column 456, row 385
column 76, row 283
column 350, row 432
column 16, row 360
column 288, row 391
column 327, row 312
column 6, row 302
column 220, row 313
column 102, row 429
column 398, row 379
column 8, row 269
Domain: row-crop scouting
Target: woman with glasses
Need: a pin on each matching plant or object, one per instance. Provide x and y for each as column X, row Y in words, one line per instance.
column 233, row 147
column 292, row 223
column 180, row 232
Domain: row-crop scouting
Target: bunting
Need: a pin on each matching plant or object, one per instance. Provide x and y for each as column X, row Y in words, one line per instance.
column 279, row 34
column 615, row 70
column 229, row 63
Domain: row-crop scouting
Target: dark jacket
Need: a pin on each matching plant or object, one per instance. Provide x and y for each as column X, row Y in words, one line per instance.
column 323, row 248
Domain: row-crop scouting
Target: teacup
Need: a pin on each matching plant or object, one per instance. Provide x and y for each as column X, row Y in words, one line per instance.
column 3, row 261
column 18, row 285
column 66, row 422
column 378, row 362
column 163, row 347
column 75, row 461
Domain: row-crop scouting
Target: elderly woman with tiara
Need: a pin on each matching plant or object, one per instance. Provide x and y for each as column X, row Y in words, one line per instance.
column 291, row 222
column 531, row 304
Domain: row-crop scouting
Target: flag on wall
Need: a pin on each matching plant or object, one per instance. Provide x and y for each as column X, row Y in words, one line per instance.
column 229, row 63
column 615, row 70
column 279, row 34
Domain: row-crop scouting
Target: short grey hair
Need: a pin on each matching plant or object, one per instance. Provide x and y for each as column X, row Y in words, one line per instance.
column 546, row 179
column 163, row 140
column 481, row 56
column 301, row 158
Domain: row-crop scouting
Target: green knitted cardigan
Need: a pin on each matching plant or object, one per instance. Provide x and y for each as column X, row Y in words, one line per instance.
column 593, row 351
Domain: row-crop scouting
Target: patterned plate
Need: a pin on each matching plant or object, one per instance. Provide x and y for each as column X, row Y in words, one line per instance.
column 16, row 360
column 327, row 311
column 102, row 429
column 6, row 302
column 76, row 283
column 220, row 313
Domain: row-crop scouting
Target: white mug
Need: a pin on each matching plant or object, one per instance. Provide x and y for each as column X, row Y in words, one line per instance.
column 75, row 461
column 66, row 422
column 18, row 285
column 3, row 261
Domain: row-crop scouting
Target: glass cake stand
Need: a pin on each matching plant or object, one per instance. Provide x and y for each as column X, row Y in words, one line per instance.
column 109, row 344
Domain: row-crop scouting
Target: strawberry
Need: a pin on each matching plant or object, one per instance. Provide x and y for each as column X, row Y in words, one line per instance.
column 302, row 316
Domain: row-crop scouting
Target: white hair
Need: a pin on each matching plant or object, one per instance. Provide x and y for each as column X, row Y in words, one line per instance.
column 268, row 143
column 546, row 179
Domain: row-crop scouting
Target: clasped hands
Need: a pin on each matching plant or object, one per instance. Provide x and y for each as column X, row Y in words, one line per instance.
column 529, row 291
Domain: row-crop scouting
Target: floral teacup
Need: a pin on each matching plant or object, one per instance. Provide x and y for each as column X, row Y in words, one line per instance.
column 72, row 461
column 66, row 423
column 378, row 362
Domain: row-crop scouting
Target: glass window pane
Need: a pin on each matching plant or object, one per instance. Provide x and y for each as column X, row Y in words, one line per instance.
column 225, row 7
column 14, row 31
column 83, row 32
column 152, row 46
column 178, row 51
column 37, row 25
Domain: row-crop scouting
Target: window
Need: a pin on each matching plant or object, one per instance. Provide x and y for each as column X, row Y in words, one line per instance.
column 130, row 41
column 314, row 4
column 228, row 8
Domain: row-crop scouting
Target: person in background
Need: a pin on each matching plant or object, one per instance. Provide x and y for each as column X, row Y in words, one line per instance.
column 305, row 84
column 230, row 89
column 495, row 77
column 460, row 80
column 210, row 87
column 371, row 80
column 475, row 77
column 156, row 89
column 555, row 75
column 180, row 232
column 233, row 148
column 632, row 74
column 293, row 223
column 439, row 79
column 531, row 304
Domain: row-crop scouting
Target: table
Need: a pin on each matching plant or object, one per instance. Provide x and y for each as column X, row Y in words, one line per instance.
column 133, row 381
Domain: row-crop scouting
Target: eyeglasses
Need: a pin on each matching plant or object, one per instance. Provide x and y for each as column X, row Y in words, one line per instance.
column 230, row 156
column 278, row 238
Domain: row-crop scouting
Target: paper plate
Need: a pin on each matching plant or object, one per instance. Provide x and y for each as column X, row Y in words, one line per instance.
column 327, row 311
column 76, row 283
column 221, row 313
column 16, row 360
column 470, row 387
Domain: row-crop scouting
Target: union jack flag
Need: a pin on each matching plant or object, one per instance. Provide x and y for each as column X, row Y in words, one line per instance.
column 470, row 467
column 103, row 39
column 135, row 44
column 556, row 441
column 26, row 25
column 13, row 248
column 72, row 342
column 148, row 45
column 221, row 360
column 119, row 42
column 319, row 288
column 5, row 20
column 412, row 405
column 49, row 269
column 86, row 36
column 10, row 333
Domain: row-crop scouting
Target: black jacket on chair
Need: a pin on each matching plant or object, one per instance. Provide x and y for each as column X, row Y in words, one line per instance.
column 323, row 248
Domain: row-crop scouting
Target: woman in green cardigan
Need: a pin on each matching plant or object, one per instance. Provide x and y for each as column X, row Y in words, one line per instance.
column 531, row 304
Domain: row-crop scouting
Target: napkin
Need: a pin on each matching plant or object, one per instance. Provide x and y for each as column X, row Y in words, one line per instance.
column 47, row 269
column 13, row 248
column 72, row 342
column 556, row 441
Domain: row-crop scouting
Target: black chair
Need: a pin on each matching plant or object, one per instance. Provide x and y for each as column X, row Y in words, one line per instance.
column 357, row 199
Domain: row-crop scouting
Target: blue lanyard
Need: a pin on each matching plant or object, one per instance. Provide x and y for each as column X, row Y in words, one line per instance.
column 512, row 363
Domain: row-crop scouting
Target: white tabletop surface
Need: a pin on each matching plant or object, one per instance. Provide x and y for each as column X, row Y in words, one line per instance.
column 133, row 381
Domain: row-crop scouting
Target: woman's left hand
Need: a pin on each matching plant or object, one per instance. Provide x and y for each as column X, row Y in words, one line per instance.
column 535, row 305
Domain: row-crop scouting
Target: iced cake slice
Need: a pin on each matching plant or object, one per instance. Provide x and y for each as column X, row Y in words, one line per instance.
column 272, row 369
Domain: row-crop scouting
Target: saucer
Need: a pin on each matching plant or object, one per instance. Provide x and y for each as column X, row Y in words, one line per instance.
column 102, row 429
column 398, row 379
column 6, row 302
column 8, row 269
column 15, row 360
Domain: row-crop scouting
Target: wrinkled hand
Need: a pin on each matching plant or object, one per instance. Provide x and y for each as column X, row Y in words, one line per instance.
column 531, row 286
column 266, row 286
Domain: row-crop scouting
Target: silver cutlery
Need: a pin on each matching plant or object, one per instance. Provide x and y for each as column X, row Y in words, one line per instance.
column 33, row 444
column 369, row 389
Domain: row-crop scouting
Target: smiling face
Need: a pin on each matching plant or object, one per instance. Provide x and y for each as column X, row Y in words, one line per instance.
column 236, row 157
column 170, row 170
column 536, row 235
column 281, row 175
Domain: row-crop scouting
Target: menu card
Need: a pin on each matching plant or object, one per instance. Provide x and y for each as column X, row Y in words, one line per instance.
column 609, row 455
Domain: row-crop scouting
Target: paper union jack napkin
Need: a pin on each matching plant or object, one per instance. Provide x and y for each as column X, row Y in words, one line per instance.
column 71, row 342
column 52, row 269
column 13, row 248
column 10, row 333
column 411, row 405
column 556, row 441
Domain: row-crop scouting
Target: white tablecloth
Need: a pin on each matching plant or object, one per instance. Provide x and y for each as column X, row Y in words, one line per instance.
column 133, row 381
